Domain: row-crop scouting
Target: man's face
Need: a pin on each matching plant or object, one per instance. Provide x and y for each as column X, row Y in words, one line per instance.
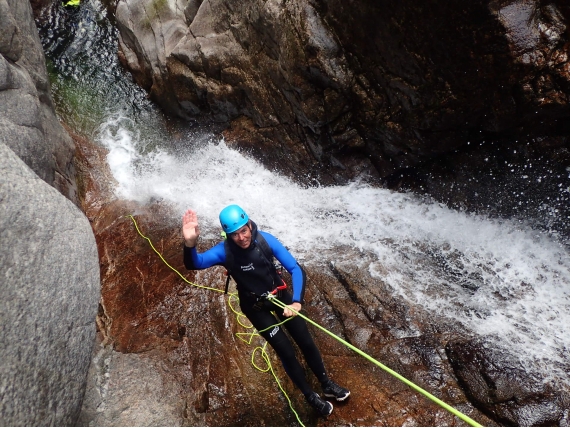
column 242, row 236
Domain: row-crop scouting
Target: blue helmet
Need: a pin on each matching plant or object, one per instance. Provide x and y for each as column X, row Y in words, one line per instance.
column 232, row 218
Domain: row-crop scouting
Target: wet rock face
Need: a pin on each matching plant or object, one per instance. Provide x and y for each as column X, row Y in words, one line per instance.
column 355, row 87
column 151, row 319
column 503, row 389
column 187, row 336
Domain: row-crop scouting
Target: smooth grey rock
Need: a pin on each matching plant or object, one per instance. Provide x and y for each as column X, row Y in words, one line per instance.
column 131, row 390
column 49, row 294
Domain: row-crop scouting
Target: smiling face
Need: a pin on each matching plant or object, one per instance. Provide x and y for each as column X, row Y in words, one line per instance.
column 242, row 236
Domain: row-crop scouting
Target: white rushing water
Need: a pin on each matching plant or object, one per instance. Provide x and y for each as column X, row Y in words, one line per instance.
column 498, row 278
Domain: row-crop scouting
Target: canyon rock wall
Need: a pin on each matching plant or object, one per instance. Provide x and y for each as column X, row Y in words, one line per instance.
column 28, row 122
column 49, row 275
column 336, row 89
column 49, row 268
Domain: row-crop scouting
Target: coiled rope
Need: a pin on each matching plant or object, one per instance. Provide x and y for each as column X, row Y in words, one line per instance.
column 280, row 304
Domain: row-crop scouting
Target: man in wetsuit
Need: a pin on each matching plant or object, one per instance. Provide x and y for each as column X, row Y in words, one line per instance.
column 255, row 274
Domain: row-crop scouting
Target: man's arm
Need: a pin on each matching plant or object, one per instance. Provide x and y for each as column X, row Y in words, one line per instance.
column 214, row 256
column 288, row 261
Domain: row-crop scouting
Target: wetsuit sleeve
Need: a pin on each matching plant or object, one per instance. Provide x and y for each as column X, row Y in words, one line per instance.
column 288, row 261
column 195, row 261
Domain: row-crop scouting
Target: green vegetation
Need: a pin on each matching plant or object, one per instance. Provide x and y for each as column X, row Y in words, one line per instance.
column 155, row 8
column 82, row 106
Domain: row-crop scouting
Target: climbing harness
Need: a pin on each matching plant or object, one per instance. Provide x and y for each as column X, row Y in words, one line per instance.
column 274, row 299
column 265, row 297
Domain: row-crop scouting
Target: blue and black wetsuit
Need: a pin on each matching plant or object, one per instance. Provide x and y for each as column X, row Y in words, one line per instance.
column 255, row 275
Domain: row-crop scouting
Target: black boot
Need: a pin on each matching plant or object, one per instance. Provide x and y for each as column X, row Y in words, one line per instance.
column 331, row 389
column 323, row 407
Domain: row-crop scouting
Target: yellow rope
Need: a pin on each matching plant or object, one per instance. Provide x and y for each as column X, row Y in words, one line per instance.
column 167, row 264
column 446, row 406
column 239, row 315
column 280, row 304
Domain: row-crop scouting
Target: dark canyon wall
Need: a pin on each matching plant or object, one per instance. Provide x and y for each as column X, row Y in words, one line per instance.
column 346, row 87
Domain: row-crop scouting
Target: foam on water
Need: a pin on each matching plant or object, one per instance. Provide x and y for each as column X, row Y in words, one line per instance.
column 498, row 278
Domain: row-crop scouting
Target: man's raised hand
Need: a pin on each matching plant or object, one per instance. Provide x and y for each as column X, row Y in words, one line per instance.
column 190, row 228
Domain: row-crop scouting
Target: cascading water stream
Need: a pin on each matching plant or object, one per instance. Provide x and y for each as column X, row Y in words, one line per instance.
column 499, row 278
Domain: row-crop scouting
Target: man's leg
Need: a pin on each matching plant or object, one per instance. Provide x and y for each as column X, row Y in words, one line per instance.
column 279, row 341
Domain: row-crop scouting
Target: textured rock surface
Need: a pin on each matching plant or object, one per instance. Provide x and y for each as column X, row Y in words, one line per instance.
column 28, row 123
column 49, row 276
column 355, row 86
column 48, row 263
column 131, row 390
column 511, row 393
